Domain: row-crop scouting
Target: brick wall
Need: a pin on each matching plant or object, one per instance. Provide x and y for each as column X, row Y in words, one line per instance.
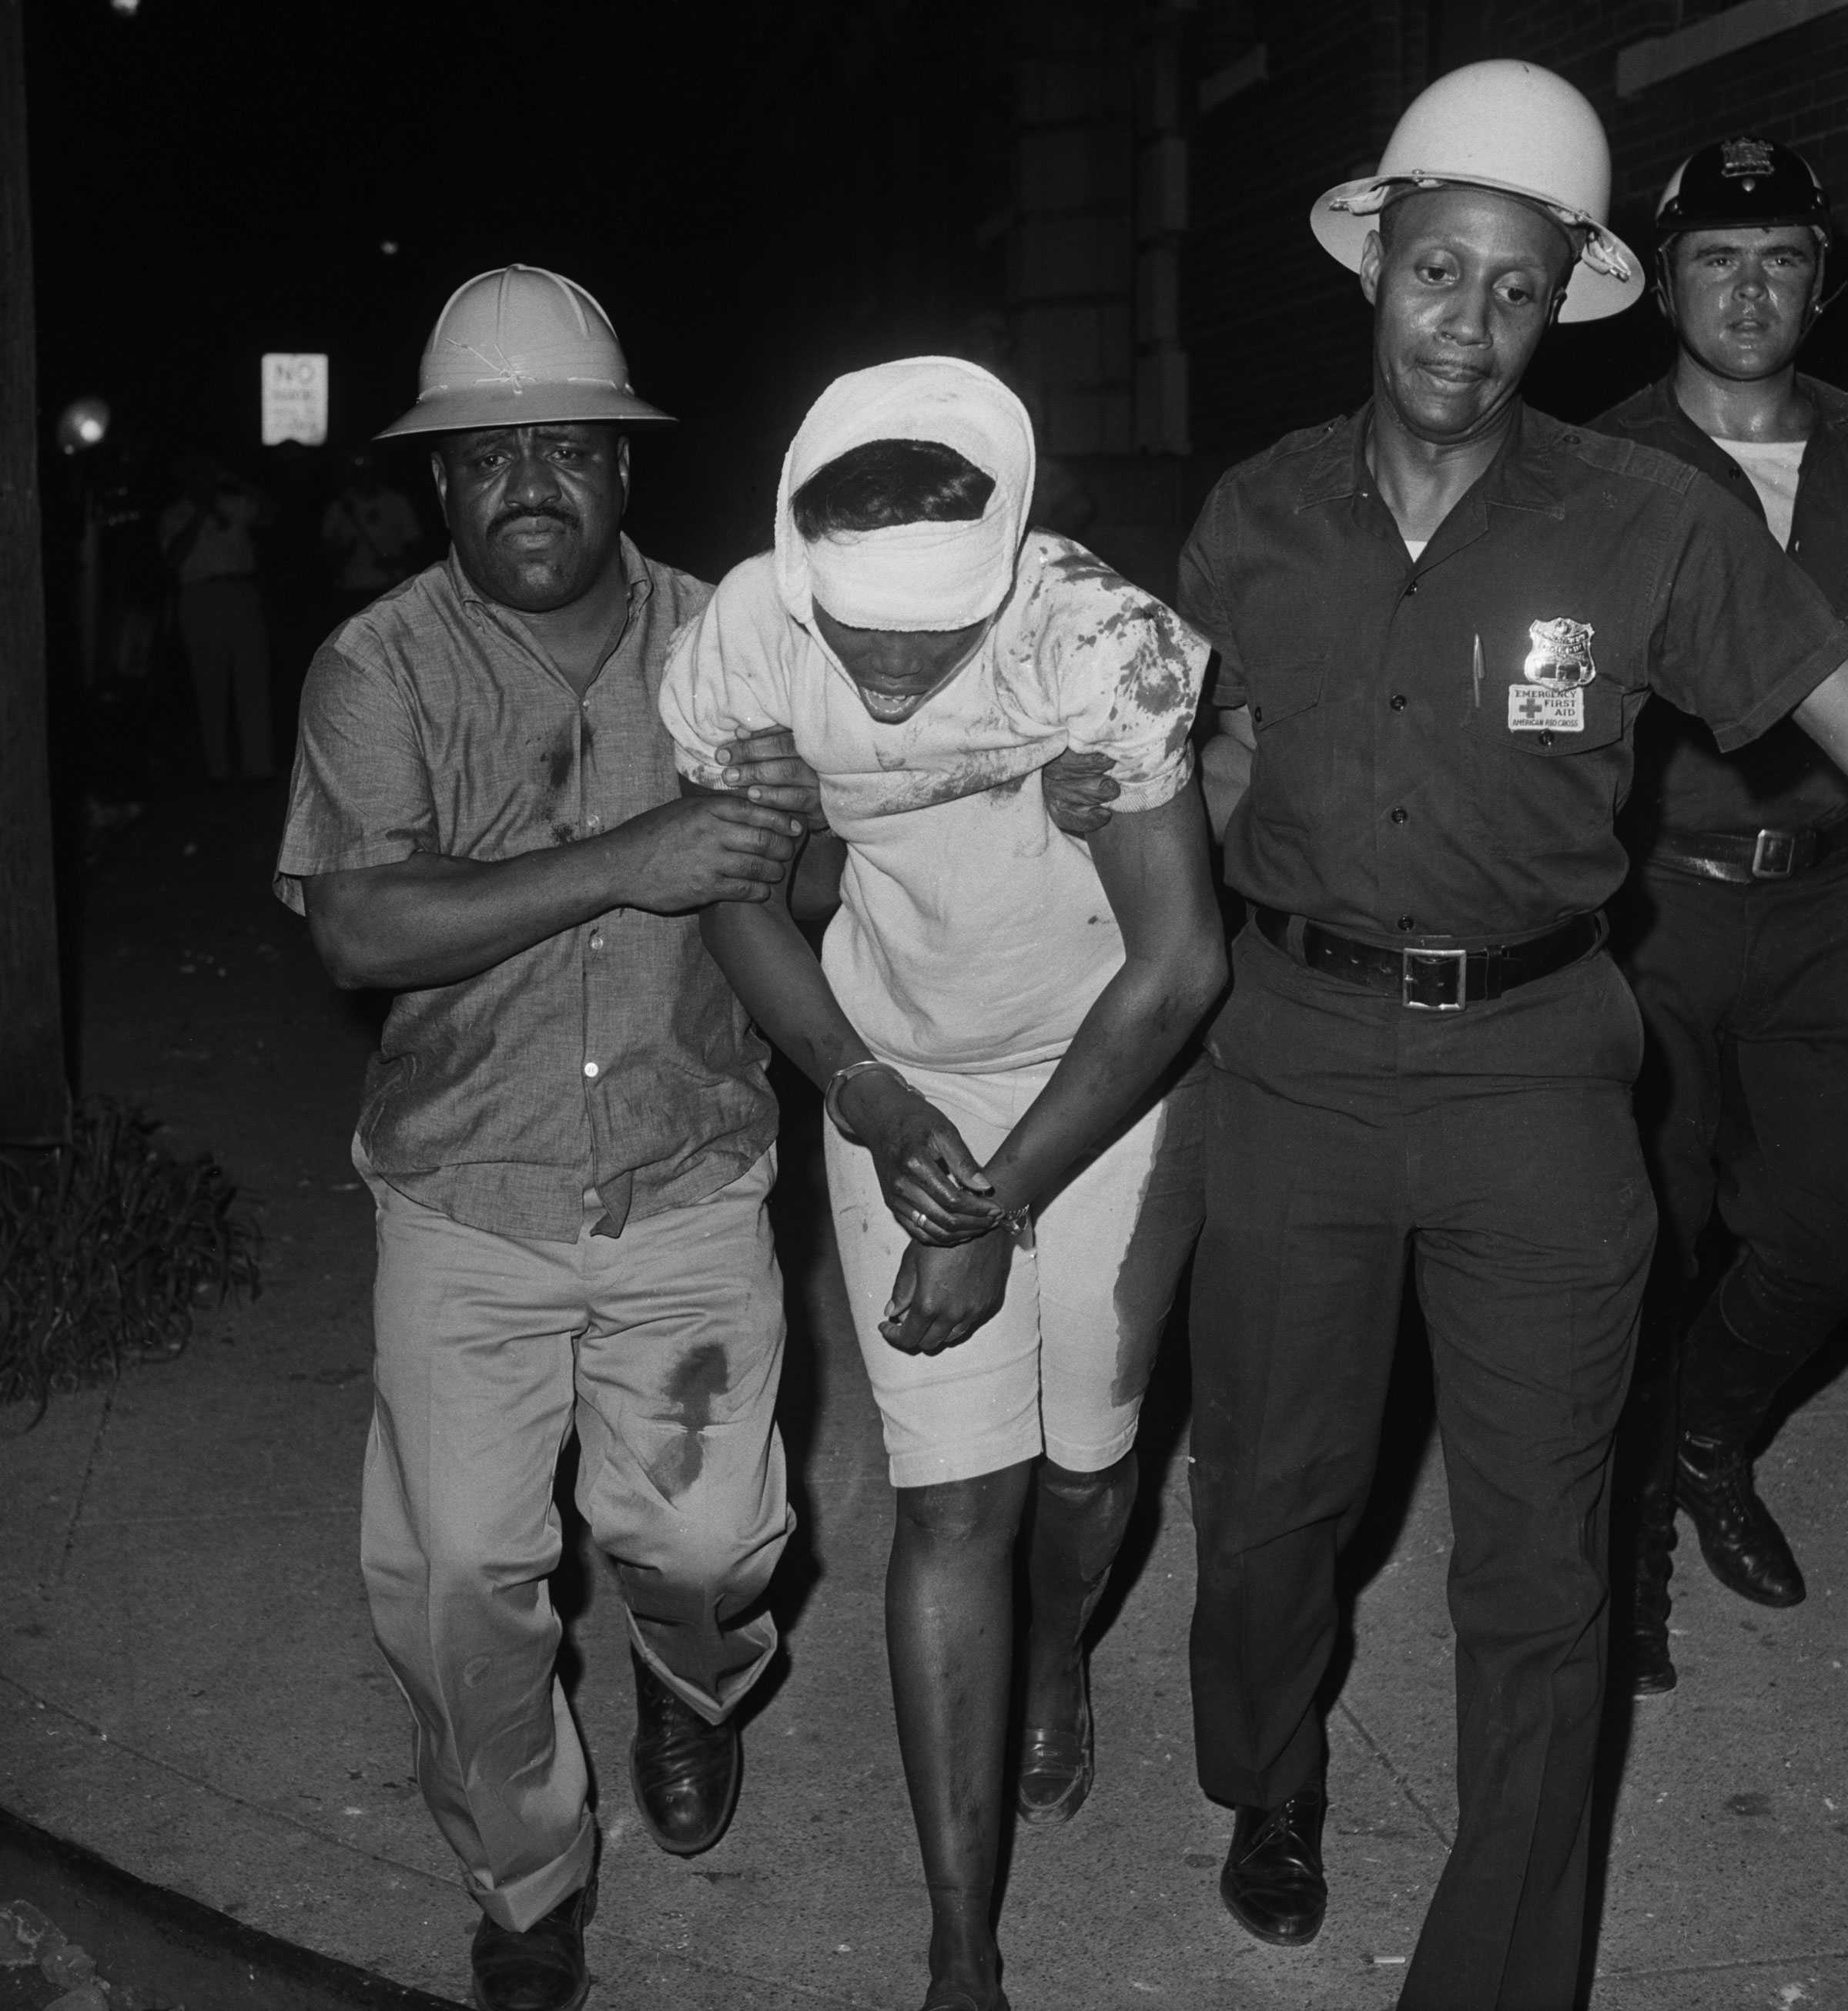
column 1277, row 333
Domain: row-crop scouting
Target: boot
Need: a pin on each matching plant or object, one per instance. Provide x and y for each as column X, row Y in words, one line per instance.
column 1643, row 1519
column 1651, row 1668
column 1727, row 1390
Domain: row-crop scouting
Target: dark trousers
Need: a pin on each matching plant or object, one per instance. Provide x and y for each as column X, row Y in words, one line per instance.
column 1495, row 1149
column 1744, row 1096
column 227, row 649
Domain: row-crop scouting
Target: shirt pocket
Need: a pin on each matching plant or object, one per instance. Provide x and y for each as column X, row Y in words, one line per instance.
column 1537, row 789
column 1295, row 762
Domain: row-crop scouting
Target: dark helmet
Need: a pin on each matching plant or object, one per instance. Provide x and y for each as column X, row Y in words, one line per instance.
column 1744, row 180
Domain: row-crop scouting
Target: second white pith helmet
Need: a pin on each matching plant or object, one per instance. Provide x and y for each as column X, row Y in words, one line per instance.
column 1510, row 126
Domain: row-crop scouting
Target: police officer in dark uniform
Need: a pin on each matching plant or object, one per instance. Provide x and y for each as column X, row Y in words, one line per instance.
column 1440, row 618
column 1735, row 936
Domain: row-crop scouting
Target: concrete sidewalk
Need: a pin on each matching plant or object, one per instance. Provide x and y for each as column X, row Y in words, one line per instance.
column 189, row 1685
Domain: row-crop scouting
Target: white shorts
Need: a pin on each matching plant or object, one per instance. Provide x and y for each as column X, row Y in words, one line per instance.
column 1061, row 1367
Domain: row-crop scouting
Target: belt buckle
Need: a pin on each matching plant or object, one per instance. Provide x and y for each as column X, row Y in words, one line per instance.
column 1774, row 854
column 1458, row 960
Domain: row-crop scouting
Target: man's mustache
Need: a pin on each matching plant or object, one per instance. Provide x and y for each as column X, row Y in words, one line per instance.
column 527, row 512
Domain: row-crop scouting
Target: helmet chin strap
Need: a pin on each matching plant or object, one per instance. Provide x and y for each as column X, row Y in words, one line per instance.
column 1820, row 301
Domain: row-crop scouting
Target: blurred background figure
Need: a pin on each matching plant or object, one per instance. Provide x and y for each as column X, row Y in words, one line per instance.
column 371, row 535
column 207, row 542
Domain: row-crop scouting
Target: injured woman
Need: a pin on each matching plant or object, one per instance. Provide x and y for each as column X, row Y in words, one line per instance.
column 1000, row 1021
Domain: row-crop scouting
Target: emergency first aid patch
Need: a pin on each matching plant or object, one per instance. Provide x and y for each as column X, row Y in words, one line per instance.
column 1532, row 708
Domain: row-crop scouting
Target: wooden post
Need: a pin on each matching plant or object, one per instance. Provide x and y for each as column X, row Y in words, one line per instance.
column 34, row 1102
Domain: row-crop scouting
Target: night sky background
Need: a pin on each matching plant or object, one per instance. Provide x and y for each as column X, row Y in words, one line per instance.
column 760, row 196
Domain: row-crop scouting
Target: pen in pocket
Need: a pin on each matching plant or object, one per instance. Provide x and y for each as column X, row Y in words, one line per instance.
column 1476, row 672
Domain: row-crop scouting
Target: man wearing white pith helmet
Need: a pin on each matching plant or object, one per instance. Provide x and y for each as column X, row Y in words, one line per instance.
column 567, row 1128
column 1737, row 935
column 1437, row 621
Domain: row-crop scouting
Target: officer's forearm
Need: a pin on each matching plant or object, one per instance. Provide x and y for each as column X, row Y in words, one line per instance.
column 775, row 973
column 429, row 920
column 1824, row 716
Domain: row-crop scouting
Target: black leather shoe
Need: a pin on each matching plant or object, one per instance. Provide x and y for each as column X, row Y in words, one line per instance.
column 541, row 1969
column 1057, row 1767
column 1272, row 1884
column 1743, row 1546
column 685, row 1772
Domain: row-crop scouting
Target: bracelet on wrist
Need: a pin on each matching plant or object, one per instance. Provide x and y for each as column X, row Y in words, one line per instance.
column 830, row 1096
column 1018, row 1223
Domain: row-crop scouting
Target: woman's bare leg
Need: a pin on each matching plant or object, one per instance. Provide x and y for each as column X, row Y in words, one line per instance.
column 949, row 1638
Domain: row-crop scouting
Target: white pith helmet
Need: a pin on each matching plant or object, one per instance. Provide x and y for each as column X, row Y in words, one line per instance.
column 521, row 346
column 1513, row 127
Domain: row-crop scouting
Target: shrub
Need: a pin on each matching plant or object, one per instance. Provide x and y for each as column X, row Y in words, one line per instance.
column 107, row 1246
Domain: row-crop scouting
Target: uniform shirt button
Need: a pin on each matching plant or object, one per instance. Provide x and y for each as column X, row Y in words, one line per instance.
column 593, row 822
column 1398, row 701
column 1407, row 924
column 1398, row 814
column 596, row 942
column 1411, row 586
column 591, row 1070
column 1546, row 736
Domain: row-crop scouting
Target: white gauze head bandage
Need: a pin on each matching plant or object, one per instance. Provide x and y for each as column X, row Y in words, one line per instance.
column 910, row 576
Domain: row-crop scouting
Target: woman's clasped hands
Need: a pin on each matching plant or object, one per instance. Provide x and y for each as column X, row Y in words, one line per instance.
column 954, row 1275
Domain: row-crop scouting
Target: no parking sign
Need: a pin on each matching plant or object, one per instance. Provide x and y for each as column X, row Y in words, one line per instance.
column 294, row 399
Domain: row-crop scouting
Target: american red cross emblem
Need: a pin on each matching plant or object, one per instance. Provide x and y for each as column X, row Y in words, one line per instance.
column 1530, row 705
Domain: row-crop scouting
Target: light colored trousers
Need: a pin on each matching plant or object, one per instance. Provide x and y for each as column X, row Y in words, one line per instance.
column 1061, row 1367
column 662, row 1346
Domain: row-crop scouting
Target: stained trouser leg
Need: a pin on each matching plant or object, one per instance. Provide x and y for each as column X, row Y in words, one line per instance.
column 680, row 1472
column 1536, row 1233
column 460, row 1535
column 1295, row 1313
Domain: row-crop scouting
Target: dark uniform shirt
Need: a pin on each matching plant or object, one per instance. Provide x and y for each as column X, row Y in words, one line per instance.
column 1418, row 775
column 1783, row 781
column 612, row 1055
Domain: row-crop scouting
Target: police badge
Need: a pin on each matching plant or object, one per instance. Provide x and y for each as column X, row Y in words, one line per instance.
column 1561, row 656
column 1744, row 159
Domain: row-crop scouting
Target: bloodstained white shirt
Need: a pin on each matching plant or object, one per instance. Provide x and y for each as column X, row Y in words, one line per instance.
column 973, row 934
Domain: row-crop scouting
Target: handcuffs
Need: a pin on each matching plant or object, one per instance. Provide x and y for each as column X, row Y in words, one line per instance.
column 1017, row 1222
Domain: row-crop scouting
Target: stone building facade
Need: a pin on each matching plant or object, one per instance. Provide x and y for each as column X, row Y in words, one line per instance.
column 1168, row 309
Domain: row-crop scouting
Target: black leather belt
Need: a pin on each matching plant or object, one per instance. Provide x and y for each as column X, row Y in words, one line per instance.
column 1744, row 858
column 1433, row 980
